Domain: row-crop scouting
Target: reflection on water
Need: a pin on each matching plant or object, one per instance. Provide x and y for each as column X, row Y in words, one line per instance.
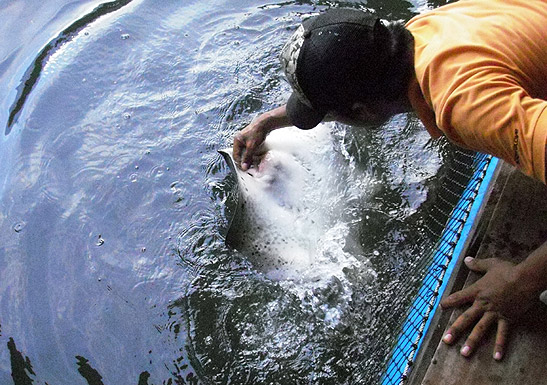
column 114, row 204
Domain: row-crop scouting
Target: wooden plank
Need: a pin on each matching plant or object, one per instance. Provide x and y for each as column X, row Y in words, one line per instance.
column 457, row 279
column 518, row 226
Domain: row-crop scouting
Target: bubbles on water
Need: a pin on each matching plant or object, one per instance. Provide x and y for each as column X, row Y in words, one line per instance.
column 124, row 36
column 127, row 116
column 133, row 177
column 177, row 192
column 19, row 226
column 157, row 171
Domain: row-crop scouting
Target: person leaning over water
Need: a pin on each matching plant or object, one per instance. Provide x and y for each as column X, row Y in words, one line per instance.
column 474, row 71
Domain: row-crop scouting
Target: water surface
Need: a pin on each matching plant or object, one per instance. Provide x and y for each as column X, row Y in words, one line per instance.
column 114, row 202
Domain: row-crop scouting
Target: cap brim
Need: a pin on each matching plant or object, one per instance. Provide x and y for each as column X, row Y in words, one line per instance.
column 301, row 115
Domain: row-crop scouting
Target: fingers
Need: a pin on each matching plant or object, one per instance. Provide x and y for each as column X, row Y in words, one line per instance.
column 240, row 151
column 460, row 297
column 248, row 154
column 478, row 332
column 238, row 147
column 469, row 293
column 245, row 148
column 501, row 339
column 486, row 310
column 485, row 321
column 463, row 322
column 480, row 265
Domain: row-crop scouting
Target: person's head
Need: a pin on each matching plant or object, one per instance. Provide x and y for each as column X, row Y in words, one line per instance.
column 347, row 64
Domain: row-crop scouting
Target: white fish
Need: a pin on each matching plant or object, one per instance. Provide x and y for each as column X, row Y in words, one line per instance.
column 287, row 220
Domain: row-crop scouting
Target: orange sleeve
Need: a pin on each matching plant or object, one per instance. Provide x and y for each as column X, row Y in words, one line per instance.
column 488, row 111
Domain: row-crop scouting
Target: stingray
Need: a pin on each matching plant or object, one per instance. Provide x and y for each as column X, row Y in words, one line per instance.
column 285, row 217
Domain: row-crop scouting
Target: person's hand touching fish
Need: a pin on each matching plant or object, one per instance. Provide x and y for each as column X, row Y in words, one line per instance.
column 248, row 141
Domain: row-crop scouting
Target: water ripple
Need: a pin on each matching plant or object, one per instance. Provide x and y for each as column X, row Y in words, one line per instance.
column 33, row 73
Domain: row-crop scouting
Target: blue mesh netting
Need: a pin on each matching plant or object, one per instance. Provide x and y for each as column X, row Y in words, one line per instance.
column 464, row 184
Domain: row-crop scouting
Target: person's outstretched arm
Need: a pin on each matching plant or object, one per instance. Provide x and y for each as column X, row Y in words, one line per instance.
column 500, row 297
column 248, row 141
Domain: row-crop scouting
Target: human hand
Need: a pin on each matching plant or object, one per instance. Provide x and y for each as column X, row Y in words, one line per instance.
column 499, row 297
column 247, row 143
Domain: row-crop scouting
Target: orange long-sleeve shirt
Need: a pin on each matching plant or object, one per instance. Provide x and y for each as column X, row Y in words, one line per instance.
column 481, row 67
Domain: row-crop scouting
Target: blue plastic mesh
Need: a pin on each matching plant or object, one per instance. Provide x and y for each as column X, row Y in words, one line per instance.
column 442, row 258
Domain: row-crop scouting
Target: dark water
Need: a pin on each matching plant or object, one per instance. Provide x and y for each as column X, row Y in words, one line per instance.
column 114, row 202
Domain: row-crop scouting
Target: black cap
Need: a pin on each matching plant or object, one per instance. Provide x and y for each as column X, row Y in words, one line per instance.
column 332, row 61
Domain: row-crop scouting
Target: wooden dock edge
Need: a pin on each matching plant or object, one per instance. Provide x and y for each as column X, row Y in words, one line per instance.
column 456, row 281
